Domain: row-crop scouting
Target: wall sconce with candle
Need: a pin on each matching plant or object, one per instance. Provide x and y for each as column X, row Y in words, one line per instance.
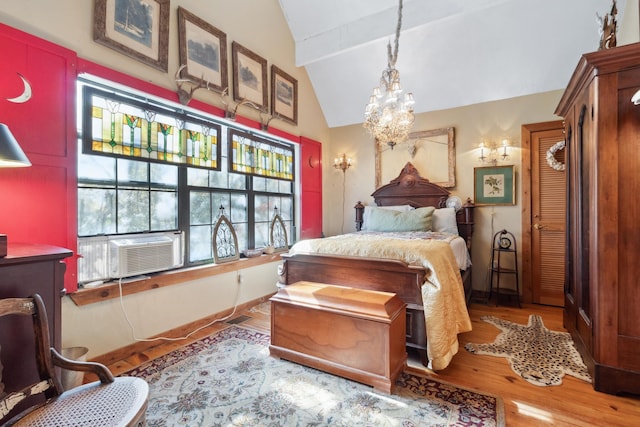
column 492, row 153
column 343, row 163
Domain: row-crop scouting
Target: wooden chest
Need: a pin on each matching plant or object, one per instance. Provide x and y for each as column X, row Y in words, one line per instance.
column 354, row 333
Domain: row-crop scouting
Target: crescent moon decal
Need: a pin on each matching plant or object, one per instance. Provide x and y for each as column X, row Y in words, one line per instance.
column 26, row 94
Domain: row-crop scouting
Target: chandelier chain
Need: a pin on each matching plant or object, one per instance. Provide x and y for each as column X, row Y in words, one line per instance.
column 389, row 112
column 393, row 57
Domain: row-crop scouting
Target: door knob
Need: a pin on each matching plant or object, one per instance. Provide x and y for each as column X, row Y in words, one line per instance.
column 538, row 226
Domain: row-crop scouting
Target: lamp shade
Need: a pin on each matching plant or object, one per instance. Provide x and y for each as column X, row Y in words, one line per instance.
column 11, row 155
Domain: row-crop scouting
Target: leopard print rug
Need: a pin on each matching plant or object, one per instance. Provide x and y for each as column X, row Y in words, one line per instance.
column 540, row 356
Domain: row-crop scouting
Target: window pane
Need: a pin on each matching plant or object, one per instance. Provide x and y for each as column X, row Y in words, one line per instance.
column 220, row 199
column 200, row 243
column 285, row 209
column 272, row 185
column 164, row 174
column 132, row 172
column 133, row 211
column 261, row 208
column 96, row 168
column 259, row 184
column 242, row 235
column 237, row 181
column 219, row 179
column 164, row 210
column 262, row 234
column 284, row 187
column 197, row 177
column 239, row 208
column 96, row 211
column 200, row 208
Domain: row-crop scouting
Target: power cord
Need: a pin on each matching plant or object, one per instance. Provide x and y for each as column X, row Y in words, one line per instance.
column 344, row 182
column 133, row 333
column 488, row 273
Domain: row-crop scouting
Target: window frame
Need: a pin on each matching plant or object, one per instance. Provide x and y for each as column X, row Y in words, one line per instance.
column 183, row 188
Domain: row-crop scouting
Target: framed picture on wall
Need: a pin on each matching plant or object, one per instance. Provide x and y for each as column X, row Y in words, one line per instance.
column 494, row 185
column 136, row 28
column 249, row 77
column 432, row 152
column 203, row 51
column 284, row 95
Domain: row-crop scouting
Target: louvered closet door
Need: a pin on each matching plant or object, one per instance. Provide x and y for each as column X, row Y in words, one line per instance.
column 549, row 219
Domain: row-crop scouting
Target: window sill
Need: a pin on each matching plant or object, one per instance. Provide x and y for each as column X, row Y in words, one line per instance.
column 110, row 289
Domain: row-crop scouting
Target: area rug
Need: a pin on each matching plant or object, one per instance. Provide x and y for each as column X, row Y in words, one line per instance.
column 540, row 356
column 229, row 379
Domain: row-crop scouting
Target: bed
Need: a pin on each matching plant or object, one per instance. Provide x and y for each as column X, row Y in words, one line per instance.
column 433, row 281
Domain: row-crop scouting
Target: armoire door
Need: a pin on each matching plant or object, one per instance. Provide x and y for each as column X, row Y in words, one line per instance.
column 580, row 148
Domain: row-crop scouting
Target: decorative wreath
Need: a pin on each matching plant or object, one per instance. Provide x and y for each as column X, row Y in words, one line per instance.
column 551, row 156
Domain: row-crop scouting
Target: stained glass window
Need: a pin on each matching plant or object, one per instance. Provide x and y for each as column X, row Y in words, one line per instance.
column 126, row 127
column 252, row 155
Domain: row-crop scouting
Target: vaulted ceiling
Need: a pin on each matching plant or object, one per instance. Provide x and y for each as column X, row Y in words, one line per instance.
column 452, row 53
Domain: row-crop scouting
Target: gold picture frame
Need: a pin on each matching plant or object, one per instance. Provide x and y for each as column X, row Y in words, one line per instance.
column 203, row 51
column 138, row 29
column 433, row 152
column 284, row 95
column 249, row 77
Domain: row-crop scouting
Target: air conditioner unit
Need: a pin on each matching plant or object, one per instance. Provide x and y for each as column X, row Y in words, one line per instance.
column 146, row 253
column 114, row 257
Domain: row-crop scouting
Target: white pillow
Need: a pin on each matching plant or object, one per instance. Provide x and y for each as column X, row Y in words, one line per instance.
column 368, row 209
column 444, row 221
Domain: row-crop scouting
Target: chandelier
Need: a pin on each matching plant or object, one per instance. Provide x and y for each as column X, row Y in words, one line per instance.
column 389, row 113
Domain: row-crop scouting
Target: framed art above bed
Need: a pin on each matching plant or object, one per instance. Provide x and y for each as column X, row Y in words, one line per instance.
column 432, row 150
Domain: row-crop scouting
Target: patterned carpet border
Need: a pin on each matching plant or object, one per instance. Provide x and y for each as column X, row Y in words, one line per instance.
column 540, row 356
column 229, row 379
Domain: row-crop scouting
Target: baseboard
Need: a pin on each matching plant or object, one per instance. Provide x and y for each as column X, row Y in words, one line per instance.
column 142, row 346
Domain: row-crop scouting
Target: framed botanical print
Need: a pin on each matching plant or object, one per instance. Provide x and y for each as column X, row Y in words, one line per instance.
column 203, row 51
column 284, row 95
column 494, row 185
column 249, row 76
column 136, row 28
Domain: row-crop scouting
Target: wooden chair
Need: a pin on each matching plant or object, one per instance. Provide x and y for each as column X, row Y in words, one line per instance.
column 120, row 401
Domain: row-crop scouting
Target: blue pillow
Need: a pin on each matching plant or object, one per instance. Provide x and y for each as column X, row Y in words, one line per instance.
column 420, row 219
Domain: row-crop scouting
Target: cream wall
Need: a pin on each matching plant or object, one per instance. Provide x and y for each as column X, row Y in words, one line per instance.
column 491, row 120
column 257, row 25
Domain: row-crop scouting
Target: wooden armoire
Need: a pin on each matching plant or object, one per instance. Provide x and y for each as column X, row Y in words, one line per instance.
column 602, row 286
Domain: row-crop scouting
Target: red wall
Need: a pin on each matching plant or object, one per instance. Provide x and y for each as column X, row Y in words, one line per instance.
column 38, row 203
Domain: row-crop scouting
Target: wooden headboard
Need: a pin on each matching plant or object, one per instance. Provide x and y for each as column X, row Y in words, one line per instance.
column 409, row 188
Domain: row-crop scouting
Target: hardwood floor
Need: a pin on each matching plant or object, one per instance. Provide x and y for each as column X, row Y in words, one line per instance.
column 574, row 403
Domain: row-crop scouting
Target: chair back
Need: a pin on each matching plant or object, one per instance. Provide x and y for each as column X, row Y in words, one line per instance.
column 49, row 384
column 113, row 401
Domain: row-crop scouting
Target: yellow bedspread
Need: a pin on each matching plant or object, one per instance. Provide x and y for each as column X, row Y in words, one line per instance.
column 445, row 309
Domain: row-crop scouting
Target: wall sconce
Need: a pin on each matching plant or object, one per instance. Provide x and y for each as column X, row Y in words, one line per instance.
column 342, row 163
column 491, row 153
